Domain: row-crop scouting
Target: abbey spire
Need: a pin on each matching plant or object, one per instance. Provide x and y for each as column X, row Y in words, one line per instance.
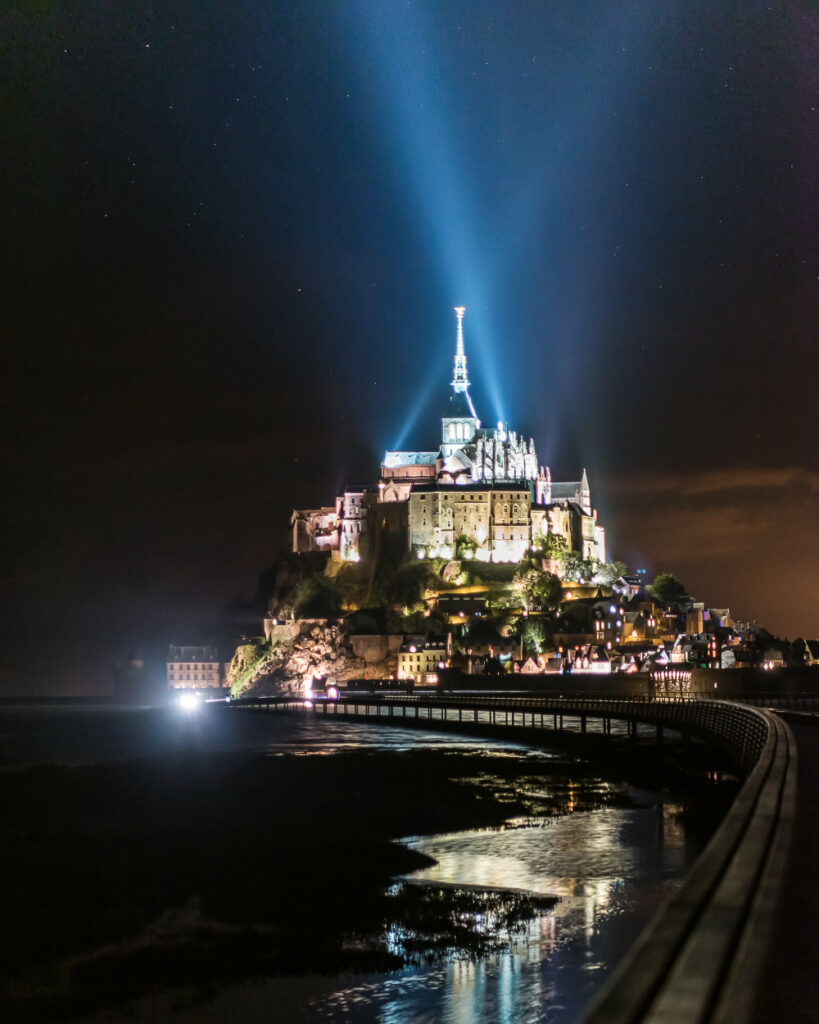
column 460, row 380
column 460, row 423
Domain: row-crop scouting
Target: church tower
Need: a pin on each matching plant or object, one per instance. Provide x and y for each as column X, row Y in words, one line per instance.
column 461, row 423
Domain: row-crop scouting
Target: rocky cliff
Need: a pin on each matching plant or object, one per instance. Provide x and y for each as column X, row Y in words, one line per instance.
column 318, row 649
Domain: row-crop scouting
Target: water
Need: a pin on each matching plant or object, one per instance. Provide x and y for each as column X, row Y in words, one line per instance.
column 612, row 868
column 74, row 735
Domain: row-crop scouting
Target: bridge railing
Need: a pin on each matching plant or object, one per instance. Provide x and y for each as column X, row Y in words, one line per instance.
column 705, row 955
column 739, row 730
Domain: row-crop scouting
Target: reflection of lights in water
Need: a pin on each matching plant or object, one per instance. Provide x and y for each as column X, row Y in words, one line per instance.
column 505, row 994
column 604, row 864
column 582, row 858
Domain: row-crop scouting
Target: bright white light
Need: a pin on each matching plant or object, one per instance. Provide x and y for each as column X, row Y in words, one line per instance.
column 188, row 701
column 308, row 703
column 332, row 692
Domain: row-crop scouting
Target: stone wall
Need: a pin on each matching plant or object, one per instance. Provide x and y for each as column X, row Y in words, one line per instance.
column 375, row 647
column 281, row 632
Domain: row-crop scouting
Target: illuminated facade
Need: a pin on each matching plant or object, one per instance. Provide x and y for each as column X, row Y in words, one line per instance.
column 481, row 494
column 194, row 668
column 420, row 660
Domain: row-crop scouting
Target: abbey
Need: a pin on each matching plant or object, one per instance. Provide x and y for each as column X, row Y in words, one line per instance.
column 481, row 494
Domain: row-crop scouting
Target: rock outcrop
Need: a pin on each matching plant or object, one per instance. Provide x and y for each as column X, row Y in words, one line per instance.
column 319, row 649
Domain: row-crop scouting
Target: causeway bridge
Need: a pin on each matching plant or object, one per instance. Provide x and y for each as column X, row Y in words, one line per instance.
column 737, row 943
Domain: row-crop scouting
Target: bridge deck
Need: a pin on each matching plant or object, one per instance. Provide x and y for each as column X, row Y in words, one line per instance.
column 791, row 990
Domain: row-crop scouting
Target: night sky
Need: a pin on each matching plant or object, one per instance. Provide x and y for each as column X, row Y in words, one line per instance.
column 233, row 235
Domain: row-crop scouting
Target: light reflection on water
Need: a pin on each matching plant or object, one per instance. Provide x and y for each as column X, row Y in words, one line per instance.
column 92, row 734
column 611, row 869
column 310, row 738
column 611, row 844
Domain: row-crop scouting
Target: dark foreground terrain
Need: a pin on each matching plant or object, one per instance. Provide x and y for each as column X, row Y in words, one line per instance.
column 202, row 869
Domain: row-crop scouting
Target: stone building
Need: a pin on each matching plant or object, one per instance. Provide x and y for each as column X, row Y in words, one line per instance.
column 482, row 491
column 194, row 668
column 420, row 659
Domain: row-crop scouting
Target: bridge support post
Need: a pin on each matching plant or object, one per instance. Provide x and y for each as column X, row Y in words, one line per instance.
column 582, row 723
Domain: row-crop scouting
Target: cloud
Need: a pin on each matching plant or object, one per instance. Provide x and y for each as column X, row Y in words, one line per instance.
column 793, row 479
column 714, row 531
column 745, row 537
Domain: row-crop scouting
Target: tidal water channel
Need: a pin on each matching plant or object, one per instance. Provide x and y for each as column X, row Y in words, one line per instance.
column 611, row 856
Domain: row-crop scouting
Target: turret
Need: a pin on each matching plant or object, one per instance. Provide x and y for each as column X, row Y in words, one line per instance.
column 543, row 487
column 585, row 494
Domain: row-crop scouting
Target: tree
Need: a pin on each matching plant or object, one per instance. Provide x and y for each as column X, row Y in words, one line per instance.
column 463, row 545
column 534, row 636
column 551, row 545
column 434, row 622
column 317, row 597
column 573, row 567
column 667, row 588
column 537, row 589
column 407, row 584
column 608, row 573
